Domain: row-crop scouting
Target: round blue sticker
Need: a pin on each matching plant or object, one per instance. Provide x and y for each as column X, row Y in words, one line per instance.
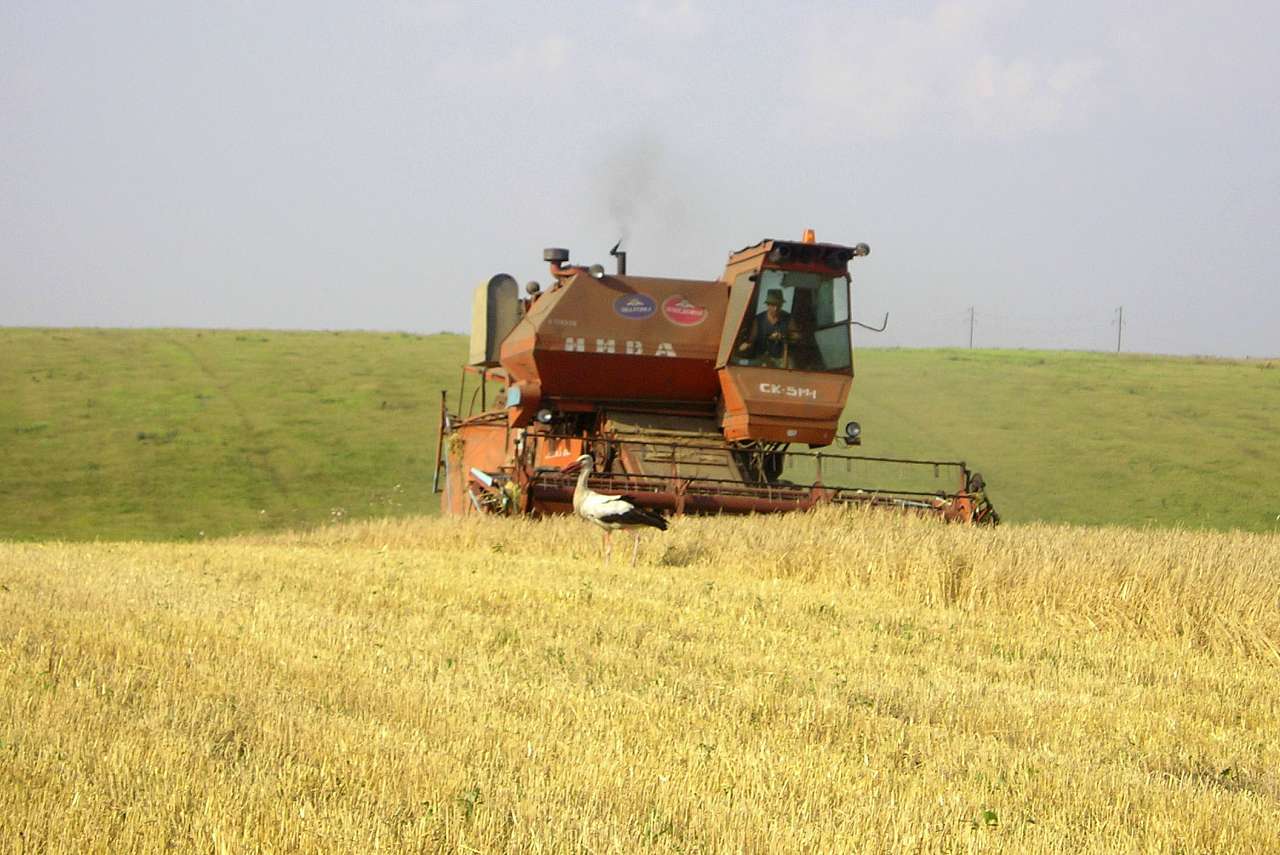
column 637, row 307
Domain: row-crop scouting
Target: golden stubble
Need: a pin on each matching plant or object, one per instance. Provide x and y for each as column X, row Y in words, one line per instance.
column 830, row 682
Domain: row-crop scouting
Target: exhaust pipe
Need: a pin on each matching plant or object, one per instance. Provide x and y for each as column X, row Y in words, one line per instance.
column 621, row 256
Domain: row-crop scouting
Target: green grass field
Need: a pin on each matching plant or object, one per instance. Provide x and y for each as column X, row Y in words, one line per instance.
column 163, row 434
column 183, row 434
column 1087, row 438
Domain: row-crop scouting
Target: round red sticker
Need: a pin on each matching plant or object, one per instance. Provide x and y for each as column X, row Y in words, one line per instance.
column 680, row 311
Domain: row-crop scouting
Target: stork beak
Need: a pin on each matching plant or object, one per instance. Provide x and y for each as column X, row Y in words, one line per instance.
column 574, row 467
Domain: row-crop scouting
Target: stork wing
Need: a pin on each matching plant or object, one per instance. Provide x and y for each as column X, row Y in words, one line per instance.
column 598, row 506
column 616, row 510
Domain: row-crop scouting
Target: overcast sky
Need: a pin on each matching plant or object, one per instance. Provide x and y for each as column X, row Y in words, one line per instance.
column 364, row 165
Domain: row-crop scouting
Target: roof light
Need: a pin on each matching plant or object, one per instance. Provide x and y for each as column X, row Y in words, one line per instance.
column 809, row 237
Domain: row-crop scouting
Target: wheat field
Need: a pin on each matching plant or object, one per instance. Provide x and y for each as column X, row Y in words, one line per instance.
column 828, row 682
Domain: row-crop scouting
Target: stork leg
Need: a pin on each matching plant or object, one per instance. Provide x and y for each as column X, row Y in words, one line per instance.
column 635, row 550
column 608, row 546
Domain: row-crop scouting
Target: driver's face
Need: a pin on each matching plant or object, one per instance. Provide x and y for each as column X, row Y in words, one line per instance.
column 772, row 311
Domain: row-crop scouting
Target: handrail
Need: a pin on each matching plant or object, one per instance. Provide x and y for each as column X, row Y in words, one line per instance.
column 826, row 455
column 677, row 483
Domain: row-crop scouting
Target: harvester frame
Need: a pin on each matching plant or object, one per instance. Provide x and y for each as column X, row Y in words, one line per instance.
column 686, row 418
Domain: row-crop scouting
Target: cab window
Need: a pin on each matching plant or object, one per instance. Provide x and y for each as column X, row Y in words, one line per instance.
column 797, row 321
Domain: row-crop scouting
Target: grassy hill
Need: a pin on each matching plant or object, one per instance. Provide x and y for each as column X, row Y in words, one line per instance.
column 1087, row 438
column 185, row 433
column 182, row 434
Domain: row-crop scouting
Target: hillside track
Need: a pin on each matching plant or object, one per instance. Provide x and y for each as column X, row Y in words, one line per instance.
column 258, row 452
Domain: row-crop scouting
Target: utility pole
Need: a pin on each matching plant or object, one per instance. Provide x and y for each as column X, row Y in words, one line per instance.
column 971, row 327
column 1119, row 326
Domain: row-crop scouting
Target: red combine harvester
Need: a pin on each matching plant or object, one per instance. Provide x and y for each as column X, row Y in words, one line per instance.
column 689, row 394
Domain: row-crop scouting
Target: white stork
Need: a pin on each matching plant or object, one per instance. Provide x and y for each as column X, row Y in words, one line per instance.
column 609, row 512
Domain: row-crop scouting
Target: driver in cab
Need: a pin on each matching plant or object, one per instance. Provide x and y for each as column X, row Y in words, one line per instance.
column 771, row 334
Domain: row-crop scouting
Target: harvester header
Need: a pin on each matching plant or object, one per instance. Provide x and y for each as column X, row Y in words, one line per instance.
column 689, row 393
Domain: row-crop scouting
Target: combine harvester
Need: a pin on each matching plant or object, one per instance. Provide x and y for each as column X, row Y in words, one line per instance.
column 689, row 394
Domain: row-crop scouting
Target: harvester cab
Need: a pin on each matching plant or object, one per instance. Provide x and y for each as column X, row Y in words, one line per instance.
column 689, row 394
column 785, row 362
